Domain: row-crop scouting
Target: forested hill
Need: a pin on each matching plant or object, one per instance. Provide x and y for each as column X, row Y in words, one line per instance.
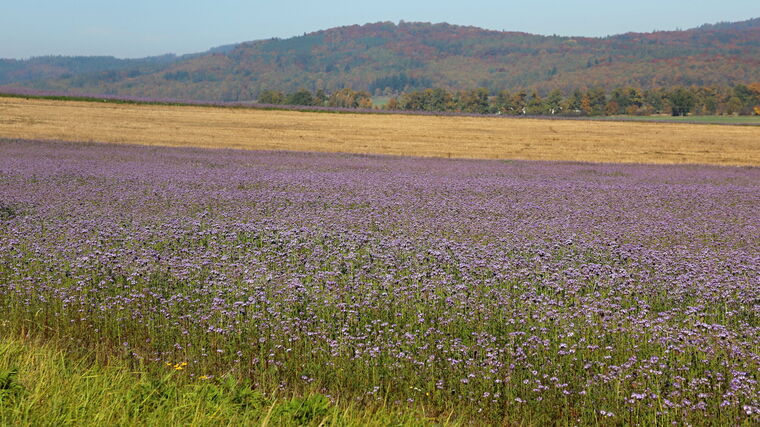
column 386, row 58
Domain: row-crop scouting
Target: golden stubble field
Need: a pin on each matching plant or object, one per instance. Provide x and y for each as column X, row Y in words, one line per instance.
column 466, row 137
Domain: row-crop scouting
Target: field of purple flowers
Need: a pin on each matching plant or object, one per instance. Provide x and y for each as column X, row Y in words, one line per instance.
column 505, row 291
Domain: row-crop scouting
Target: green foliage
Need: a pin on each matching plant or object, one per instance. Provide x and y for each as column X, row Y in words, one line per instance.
column 427, row 100
column 10, row 388
column 240, row 394
column 303, row 411
column 535, row 106
column 271, row 97
column 598, row 100
column 682, row 101
column 693, row 101
column 302, row 97
column 473, row 101
column 7, row 212
column 42, row 385
column 149, row 394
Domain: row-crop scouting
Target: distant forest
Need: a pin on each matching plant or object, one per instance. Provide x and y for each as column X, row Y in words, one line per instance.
column 398, row 60
column 680, row 101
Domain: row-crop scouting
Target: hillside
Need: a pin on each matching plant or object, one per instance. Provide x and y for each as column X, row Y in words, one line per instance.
column 78, row 67
column 389, row 58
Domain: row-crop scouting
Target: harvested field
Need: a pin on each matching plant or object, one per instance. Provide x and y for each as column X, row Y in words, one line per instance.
column 463, row 137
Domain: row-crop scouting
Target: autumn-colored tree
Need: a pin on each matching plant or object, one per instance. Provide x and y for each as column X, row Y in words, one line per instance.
column 520, row 101
column 343, row 98
column 392, row 104
column 754, row 88
column 320, row 98
column 401, row 58
column 598, row 99
column 365, row 102
column 586, row 107
column 348, row 98
column 612, row 108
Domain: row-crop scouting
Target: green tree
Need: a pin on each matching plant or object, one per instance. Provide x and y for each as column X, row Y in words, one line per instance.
column 706, row 101
column 574, row 103
column 554, row 102
column 734, row 105
column 536, row 106
column 627, row 97
column 438, row 99
column 681, row 101
column 320, row 98
column 503, row 103
column 414, row 101
column 271, row 97
column 655, row 99
column 474, row 101
column 302, row 97
column 598, row 100
column 520, row 101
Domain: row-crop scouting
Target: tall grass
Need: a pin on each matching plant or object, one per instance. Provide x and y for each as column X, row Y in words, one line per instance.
column 43, row 385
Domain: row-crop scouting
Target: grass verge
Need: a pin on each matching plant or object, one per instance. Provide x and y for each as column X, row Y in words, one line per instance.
column 41, row 384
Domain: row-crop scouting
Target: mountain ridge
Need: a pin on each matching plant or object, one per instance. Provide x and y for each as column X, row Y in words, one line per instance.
column 388, row 58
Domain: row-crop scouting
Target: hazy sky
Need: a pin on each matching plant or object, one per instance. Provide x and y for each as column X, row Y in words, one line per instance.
column 135, row 28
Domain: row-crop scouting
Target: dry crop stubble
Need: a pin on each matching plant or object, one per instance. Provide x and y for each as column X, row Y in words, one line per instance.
column 430, row 136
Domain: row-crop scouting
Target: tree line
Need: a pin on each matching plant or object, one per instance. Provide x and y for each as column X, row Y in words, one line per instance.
column 740, row 99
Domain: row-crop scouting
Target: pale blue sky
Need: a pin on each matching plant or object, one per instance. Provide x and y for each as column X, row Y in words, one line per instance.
column 135, row 28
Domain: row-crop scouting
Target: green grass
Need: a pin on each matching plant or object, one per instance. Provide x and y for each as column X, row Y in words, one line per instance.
column 43, row 385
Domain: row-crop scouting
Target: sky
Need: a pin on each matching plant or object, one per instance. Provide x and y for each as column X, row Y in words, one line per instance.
column 138, row 28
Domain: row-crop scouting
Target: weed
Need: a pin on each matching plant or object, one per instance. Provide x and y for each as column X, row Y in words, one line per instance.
column 302, row 411
column 10, row 388
column 7, row 211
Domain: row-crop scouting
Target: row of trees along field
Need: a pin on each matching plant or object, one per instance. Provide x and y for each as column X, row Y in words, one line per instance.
column 680, row 101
